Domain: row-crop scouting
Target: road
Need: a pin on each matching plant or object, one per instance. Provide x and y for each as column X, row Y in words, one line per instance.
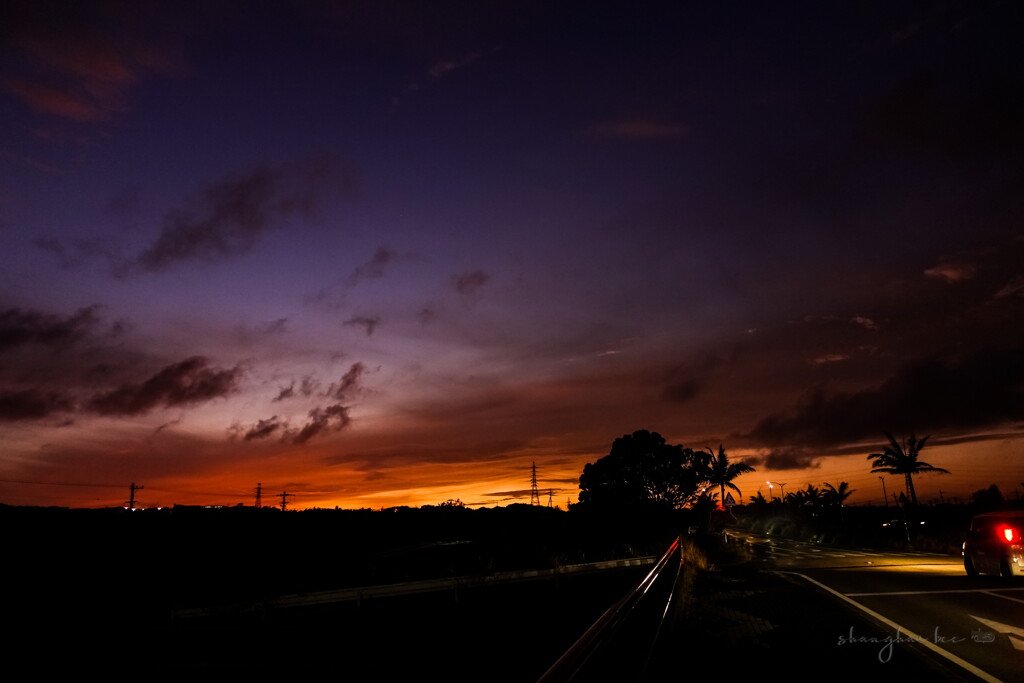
column 974, row 626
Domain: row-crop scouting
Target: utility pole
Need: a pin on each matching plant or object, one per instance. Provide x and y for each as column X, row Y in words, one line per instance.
column 534, row 494
column 131, row 495
column 259, row 495
column 284, row 500
column 885, row 496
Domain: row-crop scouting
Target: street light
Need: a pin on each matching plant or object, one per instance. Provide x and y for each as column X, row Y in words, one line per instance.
column 782, row 496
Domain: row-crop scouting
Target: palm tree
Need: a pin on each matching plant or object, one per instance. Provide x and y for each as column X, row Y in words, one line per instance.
column 897, row 458
column 721, row 472
column 759, row 500
column 809, row 497
column 837, row 495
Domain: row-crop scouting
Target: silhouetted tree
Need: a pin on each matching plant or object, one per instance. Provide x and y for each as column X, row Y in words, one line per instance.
column 897, row 458
column 642, row 469
column 721, row 472
column 759, row 500
column 835, row 496
column 989, row 499
column 805, row 497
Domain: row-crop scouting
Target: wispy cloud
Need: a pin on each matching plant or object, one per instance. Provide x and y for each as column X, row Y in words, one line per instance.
column 468, row 283
column 640, row 129
column 230, row 216
column 444, row 67
column 374, row 268
column 367, row 322
column 189, row 382
column 78, row 65
column 952, row 272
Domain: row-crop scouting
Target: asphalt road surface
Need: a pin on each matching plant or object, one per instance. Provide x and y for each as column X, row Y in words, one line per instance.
column 973, row 628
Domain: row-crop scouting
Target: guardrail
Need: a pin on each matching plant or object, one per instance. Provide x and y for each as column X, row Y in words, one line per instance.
column 619, row 646
column 359, row 594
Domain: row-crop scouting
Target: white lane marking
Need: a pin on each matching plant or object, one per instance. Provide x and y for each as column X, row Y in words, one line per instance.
column 1004, row 597
column 980, row 673
column 1014, row 633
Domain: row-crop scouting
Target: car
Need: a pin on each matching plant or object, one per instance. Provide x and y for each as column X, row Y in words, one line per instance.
column 994, row 546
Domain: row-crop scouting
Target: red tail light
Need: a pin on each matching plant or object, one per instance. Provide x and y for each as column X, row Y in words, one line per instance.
column 1009, row 534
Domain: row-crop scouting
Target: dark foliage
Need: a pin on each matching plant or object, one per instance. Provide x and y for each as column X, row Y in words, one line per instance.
column 643, row 470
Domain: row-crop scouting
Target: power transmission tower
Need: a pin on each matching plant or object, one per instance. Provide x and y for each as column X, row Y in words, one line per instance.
column 131, row 495
column 534, row 494
column 551, row 498
column 284, row 500
column 259, row 495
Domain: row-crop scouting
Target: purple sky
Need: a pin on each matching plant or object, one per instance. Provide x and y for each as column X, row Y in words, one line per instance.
column 380, row 253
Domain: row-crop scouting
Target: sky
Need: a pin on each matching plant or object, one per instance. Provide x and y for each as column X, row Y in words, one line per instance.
column 367, row 254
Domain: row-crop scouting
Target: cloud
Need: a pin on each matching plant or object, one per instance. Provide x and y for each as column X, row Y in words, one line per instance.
column 784, row 459
column 865, row 322
column 264, row 428
column 232, row 215
column 31, row 404
column 830, row 358
column 444, row 67
column 685, row 382
column 1015, row 287
column 682, row 391
column 928, row 115
column 374, row 268
column 952, row 272
column 186, row 383
column 348, row 383
column 80, row 65
column 467, row 283
column 983, row 390
column 640, row 129
column 369, row 322
column 332, row 418
column 20, row 328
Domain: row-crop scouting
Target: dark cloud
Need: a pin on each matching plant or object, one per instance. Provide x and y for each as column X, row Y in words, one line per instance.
column 784, row 459
column 348, row 383
column 285, row 393
column 684, row 382
column 78, row 64
column 31, row 404
column 374, row 268
column 186, row 383
column 232, row 215
column 368, row 322
column 20, row 328
column 983, row 390
column 682, row 390
column 943, row 118
column 332, row 418
column 264, row 428
column 467, row 283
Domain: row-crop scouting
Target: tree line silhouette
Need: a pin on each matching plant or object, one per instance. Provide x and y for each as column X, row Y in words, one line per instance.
column 643, row 470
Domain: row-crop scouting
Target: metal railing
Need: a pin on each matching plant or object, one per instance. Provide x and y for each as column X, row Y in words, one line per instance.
column 621, row 643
